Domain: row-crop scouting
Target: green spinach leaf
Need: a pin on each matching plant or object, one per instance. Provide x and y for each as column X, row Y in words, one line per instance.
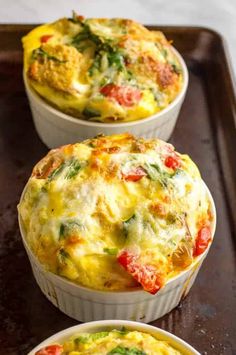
column 111, row 251
column 126, row 351
column 56, row 172
column 63, row 256
column 69, row 227
column 41, row 53
column 74, row 168
column 90, row 112
column 127, row 223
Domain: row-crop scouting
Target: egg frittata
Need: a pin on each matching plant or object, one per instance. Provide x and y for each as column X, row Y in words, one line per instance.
column 104, row 70
column 111, row 342
column 116, row 212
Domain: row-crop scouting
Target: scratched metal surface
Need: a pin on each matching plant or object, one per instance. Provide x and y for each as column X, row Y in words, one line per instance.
column 206, row 318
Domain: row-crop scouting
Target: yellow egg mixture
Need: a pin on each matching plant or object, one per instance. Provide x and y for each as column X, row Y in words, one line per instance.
column 102, row 69
column 112, row 343
column 116, row 212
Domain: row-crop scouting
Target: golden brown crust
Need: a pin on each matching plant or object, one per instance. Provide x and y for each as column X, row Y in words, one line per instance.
column 183, row 257
column 46, row 166
column 165, row 75
column 59, row 72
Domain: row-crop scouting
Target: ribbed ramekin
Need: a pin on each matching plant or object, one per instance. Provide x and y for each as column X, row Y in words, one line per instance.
column 56, row 128
column 107, row 325
column 85, row 304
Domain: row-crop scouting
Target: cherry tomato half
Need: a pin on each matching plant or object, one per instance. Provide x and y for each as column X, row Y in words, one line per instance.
column 146, row 275
column 50, row 350
column 45, row 38
column 124, row 95
column 202, row 240
column 173, row 162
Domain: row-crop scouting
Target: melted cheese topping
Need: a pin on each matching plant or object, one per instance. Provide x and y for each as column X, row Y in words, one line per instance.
column 102, row 69
column 86, row 203
column 117, row 342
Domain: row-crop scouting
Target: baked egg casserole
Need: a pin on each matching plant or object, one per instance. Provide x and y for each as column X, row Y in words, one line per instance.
column 105, row 70
column 116, row 213
column 111, row 342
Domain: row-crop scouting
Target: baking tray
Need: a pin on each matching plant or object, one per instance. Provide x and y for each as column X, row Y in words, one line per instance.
column 206, row 318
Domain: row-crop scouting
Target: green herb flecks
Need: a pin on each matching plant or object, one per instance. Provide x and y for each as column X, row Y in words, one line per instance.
column 158, row 96
column 62, row 231
column 116, row 59
column 126, row 224
column 68, row 228
column 153, row 171
column 84, row 35
column 105, row 80
column 70, row 167
column 63, row 256
column 176, row 68
column 44, row 188
column 56, row 172
column 73, row 169
column 164, row 52
column 156, row 174
column 126, row 351
column 91, row 144
column 102, row 45
column 123, row 331
column 111, row 251
column 90, row 112
column 83, row 339
column 96, row 65
column 99, row 335
column 129, row 76
column 40, row 53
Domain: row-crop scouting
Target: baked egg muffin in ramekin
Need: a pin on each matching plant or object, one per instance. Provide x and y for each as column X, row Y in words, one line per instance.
column 87, row 76
column 113, row 337
column 116, row 218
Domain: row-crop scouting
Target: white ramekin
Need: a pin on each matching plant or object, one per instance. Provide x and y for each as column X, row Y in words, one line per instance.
column 86, row 304
column 56, row 128
column 107, row 325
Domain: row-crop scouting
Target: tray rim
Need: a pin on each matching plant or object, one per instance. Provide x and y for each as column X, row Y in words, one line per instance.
column 12, row 28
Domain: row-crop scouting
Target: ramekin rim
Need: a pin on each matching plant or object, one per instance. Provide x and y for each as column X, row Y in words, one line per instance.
column 66, row 117
column 138, row 291
column 132, row 325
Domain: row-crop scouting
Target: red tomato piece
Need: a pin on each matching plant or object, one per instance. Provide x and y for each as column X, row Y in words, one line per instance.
column 173, row 162
column 50, row 350
column 146, row 275
column 135, row 175
column 45, row 38
column 124, row 95
column 202, row 240
column 80, row 18
column 125, row 258
column 108, row 89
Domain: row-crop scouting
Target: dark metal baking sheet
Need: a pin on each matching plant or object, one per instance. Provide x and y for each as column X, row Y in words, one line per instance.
column 206, row 318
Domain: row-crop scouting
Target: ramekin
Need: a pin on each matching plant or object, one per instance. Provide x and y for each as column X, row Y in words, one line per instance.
column 85, row 304
column 107, row 325
column 56, row 128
